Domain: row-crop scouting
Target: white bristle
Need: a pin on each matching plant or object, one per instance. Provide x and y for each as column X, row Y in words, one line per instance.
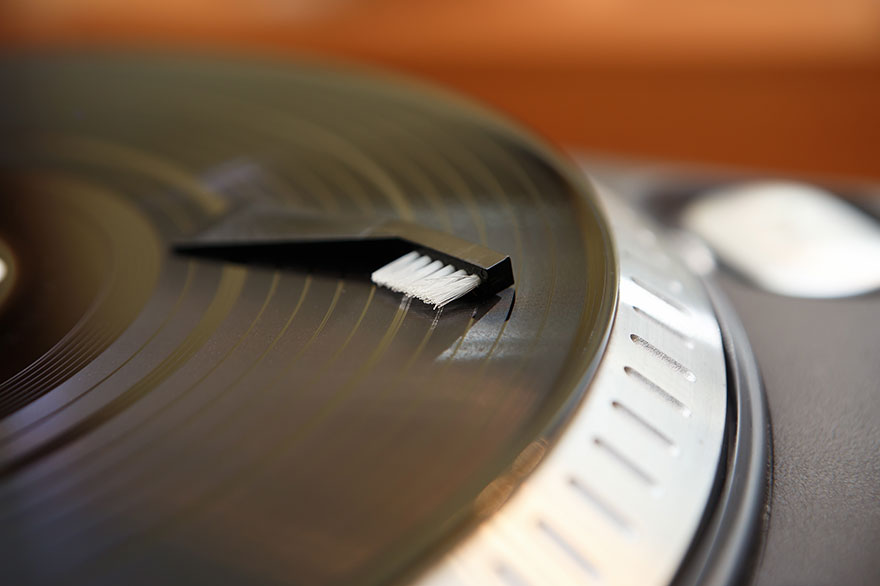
column 427, row 279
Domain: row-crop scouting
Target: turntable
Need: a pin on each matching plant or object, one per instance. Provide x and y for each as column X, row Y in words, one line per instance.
column 269, row 415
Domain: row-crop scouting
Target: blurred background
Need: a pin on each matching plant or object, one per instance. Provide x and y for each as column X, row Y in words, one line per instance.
column 789, row 86
column 784, row 88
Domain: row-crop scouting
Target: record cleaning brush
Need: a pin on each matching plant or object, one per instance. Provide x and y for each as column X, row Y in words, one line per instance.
column 427, row 264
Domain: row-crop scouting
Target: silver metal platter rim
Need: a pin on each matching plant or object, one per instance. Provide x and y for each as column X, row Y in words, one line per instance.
column 621, row 495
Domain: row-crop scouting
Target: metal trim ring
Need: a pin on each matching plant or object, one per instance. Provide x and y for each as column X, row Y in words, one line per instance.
column 730, row 545
column 620, row 496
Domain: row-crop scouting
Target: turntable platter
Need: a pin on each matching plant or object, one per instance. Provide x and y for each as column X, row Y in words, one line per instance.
column 226, row 423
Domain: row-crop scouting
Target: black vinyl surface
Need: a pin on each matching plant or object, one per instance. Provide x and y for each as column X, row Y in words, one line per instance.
column 173, row 419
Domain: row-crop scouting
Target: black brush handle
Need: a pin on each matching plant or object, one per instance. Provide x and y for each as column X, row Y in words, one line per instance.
column 494, row 268
column 258, row 233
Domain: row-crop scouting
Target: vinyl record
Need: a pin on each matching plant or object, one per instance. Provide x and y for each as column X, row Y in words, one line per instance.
column 171, row 418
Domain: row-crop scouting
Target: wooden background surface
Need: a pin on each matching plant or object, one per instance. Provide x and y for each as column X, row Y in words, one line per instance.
column 783, row 85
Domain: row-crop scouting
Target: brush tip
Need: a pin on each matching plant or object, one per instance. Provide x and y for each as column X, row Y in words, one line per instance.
column 430, row 280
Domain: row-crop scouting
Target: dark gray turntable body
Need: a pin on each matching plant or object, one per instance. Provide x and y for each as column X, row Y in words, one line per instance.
column 819, row 363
